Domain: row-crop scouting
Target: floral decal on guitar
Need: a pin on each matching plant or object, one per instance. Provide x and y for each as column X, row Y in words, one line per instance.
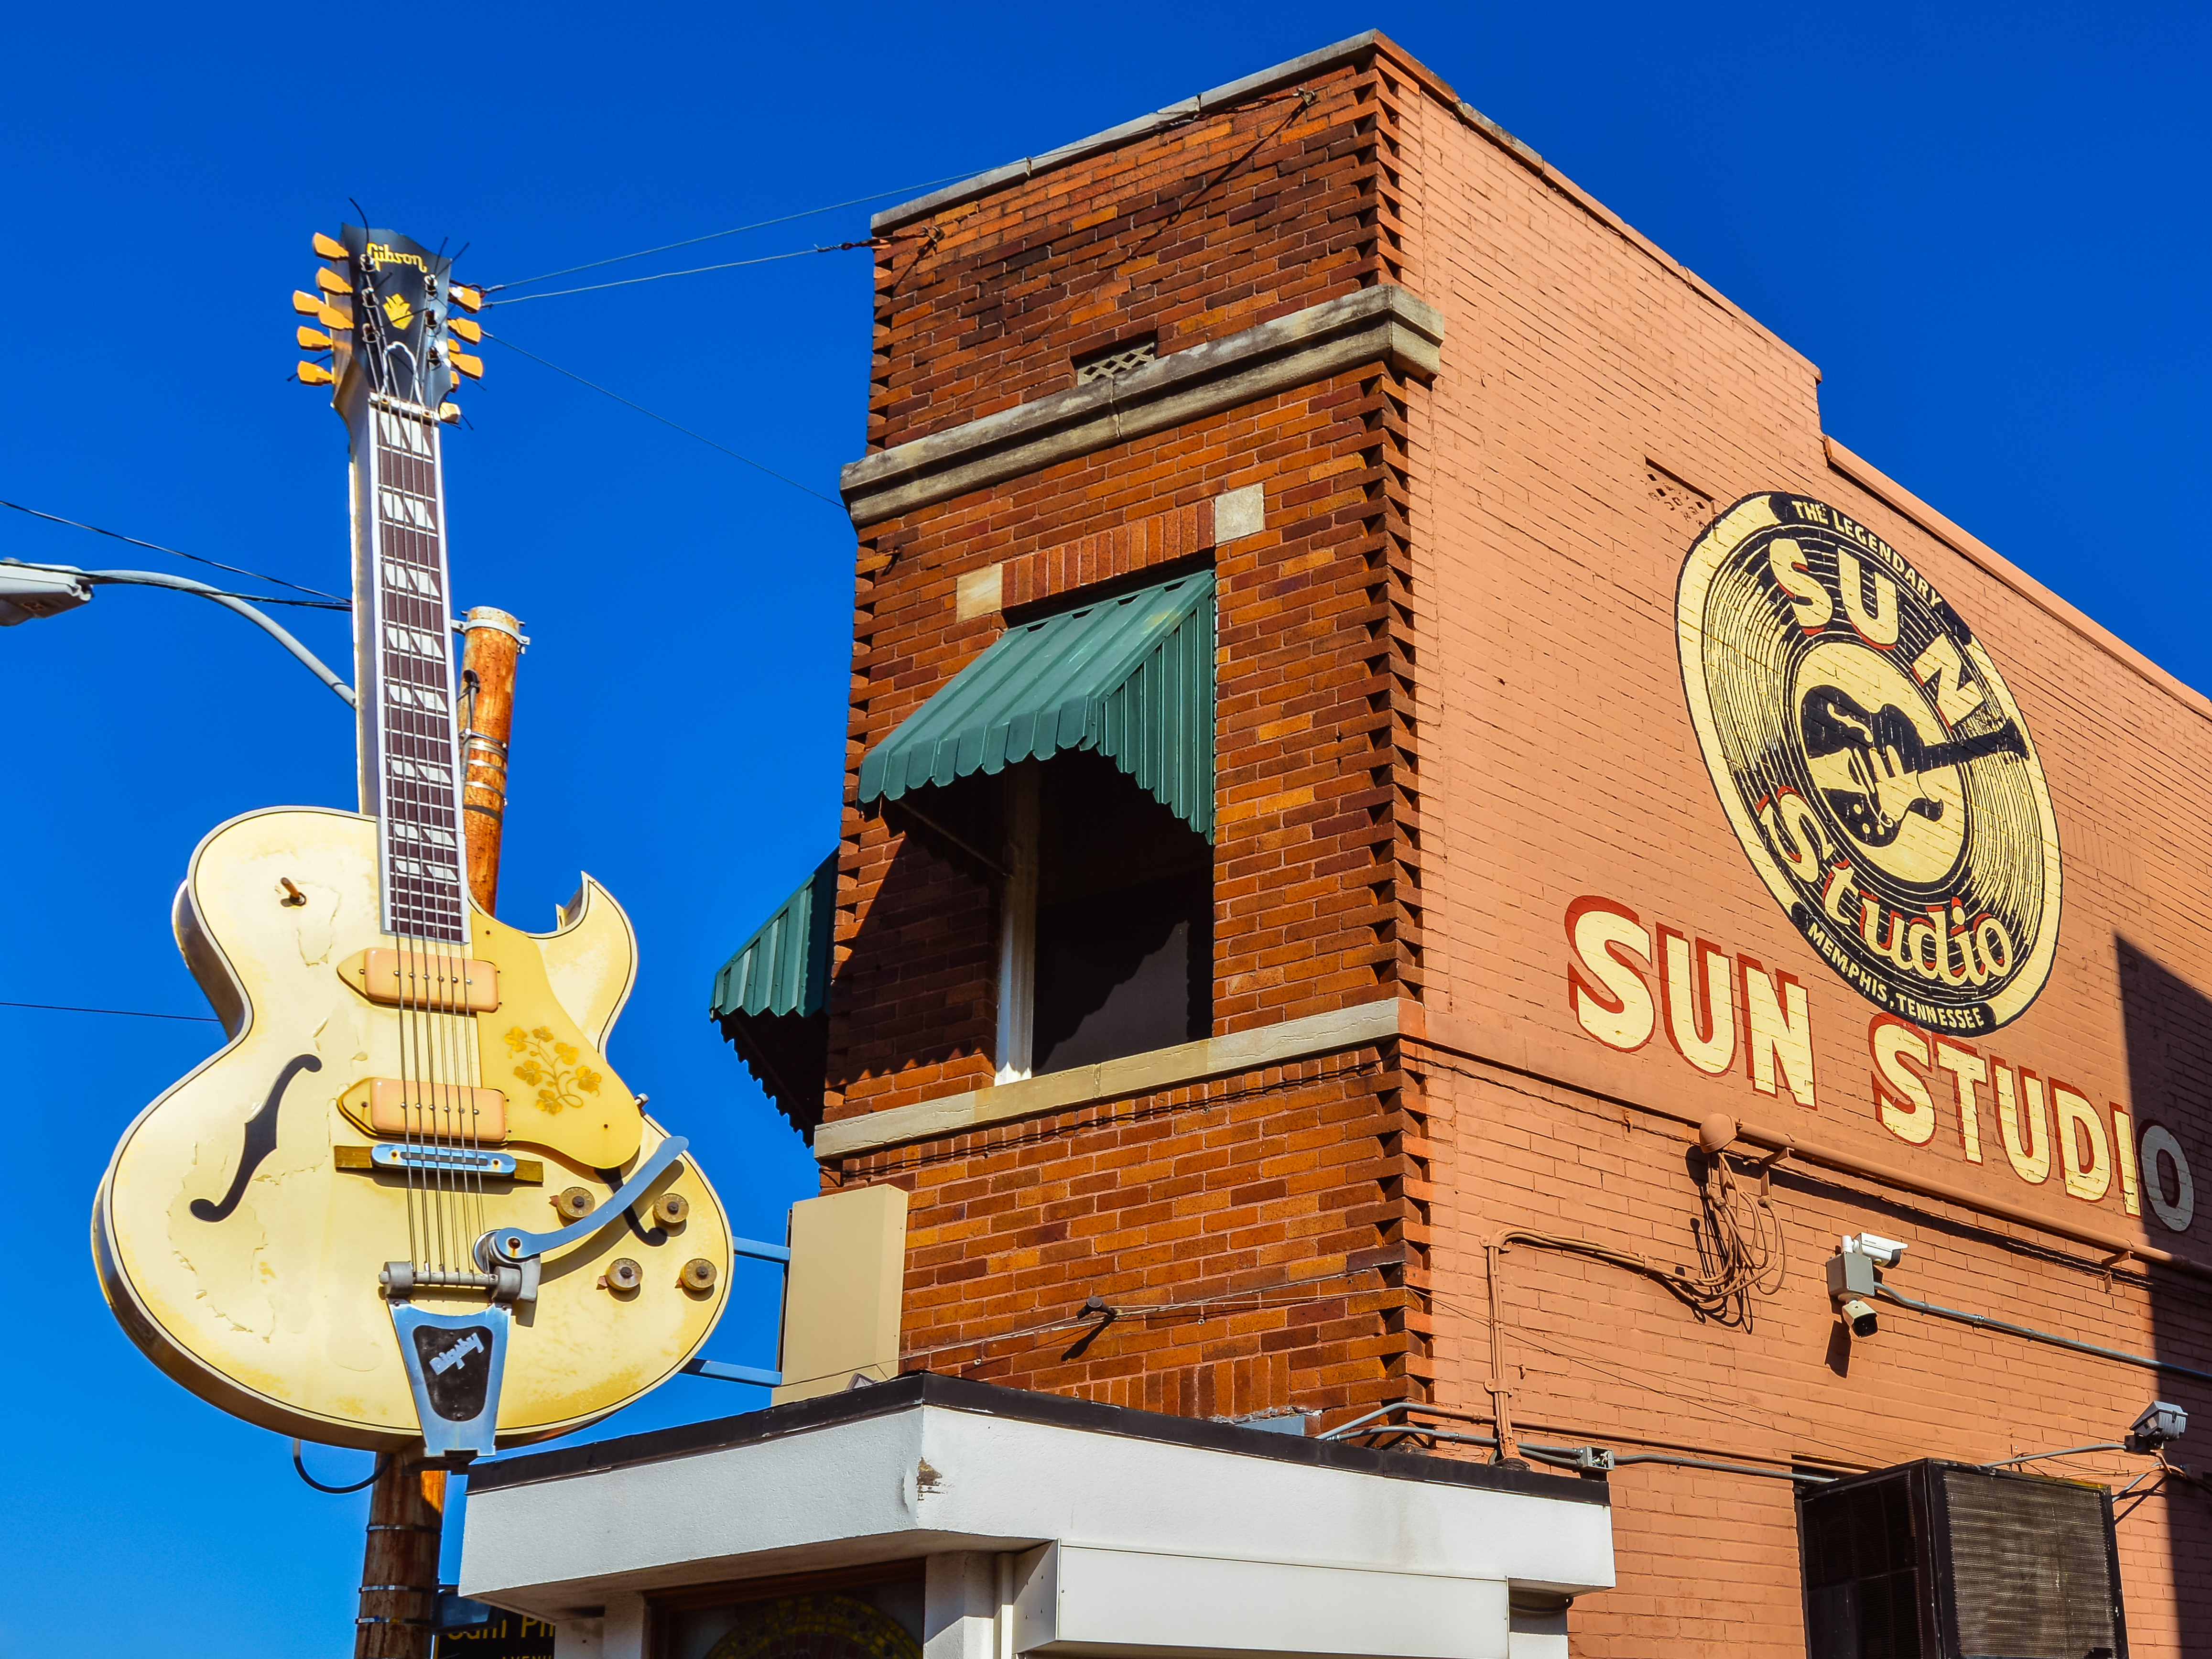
column 549, row 1066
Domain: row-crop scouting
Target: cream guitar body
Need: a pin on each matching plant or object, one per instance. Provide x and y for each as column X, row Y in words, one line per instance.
column 243, row 1223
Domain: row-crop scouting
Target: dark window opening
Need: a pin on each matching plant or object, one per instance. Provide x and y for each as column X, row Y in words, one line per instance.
column 1124, row 956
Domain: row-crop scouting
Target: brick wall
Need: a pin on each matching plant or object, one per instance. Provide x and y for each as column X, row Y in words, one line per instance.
column 1450, row 705
column 1250, row 1229
column 1316, row 807
column 1597, row 409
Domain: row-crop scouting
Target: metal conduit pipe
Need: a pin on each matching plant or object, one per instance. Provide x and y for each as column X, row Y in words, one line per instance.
column 1983, row 1322
column 1791, row 1146
column 2070, row 1451
column 1595, row 1460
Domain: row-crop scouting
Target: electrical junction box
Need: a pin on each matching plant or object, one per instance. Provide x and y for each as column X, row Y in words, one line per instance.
column 1935, row 1560
column 1852, row 1274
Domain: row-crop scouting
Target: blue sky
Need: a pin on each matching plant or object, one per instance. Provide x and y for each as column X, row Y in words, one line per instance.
column 1985, row 224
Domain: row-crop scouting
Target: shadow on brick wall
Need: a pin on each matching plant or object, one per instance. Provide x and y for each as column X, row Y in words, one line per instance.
column 917, row 992
column 2168, row 1025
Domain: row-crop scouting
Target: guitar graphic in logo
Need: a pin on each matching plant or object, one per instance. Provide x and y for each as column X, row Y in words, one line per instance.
column 1888, row 761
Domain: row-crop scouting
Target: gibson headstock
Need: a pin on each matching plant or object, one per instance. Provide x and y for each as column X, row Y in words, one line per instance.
column 386, row 308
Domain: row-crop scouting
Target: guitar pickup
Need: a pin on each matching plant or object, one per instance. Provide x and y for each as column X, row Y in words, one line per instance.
column 426, row 1111
column 424, row 980
column 441, row 1160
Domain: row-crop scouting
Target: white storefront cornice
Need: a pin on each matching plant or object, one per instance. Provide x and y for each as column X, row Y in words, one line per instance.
column 1117, row 1514
column 1383, row 323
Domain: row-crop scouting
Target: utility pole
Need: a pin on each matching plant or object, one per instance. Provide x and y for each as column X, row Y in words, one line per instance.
column 407, row 1504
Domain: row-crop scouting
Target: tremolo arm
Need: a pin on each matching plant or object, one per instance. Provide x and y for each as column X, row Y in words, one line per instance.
column 511, row 1259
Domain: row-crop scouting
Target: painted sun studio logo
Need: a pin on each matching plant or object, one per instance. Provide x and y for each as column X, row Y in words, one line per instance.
column 1871, row 761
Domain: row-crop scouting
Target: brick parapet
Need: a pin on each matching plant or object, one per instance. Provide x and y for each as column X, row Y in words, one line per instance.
column 1189, row 233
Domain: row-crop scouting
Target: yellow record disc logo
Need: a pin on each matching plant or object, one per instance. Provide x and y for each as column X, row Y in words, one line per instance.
column 1871, row 761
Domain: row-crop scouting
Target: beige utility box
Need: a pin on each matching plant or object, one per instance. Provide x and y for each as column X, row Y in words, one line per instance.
column 841, row 1293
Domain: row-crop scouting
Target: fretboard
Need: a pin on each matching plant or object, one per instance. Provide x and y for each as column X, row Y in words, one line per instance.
column 410, row 750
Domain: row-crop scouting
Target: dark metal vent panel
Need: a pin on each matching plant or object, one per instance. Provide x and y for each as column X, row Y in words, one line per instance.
column 1862, row 1584
column 2030, row 1567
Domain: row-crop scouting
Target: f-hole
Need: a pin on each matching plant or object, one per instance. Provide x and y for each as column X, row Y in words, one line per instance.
column 260, row 1140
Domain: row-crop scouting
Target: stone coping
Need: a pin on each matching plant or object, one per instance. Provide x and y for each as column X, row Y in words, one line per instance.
column 1384, row 323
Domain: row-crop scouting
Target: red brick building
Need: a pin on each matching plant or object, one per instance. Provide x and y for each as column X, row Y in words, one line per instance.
column 1352, row 646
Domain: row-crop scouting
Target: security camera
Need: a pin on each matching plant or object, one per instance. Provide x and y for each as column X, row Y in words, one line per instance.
column 2158, row 1424
column 1882, row 1251
column 1861, row 1314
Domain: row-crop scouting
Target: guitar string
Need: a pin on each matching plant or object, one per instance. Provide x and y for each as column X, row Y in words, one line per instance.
column 462, row 1053
column 419, row 1243
column 468, row 1056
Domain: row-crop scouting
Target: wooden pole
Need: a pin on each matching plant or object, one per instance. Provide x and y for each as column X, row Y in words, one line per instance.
column 407, row 1504
column 493, row 642
column 399, row 1568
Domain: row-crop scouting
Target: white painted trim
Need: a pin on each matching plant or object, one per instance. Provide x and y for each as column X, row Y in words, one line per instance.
column 1111, row 1080
column 933, row 1480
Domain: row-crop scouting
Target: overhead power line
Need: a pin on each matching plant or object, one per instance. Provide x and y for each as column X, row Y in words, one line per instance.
column 695, row 271
column 177, row 553
column 665, row 420
column 128, row 1013
column 714, row 235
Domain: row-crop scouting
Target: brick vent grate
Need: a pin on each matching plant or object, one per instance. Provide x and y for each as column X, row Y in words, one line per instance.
column 1114, row 364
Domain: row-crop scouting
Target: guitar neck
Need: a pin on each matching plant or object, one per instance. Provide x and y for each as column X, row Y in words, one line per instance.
column 403, row 667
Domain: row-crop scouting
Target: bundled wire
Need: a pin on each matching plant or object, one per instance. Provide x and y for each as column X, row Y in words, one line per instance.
column 1741, row 1249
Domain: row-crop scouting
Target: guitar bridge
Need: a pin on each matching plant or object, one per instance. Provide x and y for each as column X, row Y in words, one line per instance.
column 441, row 1160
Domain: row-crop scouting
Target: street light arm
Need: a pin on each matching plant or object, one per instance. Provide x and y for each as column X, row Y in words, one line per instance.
column 231, row 602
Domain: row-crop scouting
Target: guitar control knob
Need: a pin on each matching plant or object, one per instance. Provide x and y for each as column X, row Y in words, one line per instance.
column 672, row 1209
column 623, row 1275
column 698, row 1275
column 573, row 1203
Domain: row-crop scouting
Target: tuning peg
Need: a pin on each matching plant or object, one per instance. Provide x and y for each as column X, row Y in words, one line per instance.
column 468, row 331
column 314, row 339
column 315, row 374
column 331, row 317
column 472, row 367
column 330, row 249
column 468, row 299
column 307, row 305
column 449, row 413
column 331, row 282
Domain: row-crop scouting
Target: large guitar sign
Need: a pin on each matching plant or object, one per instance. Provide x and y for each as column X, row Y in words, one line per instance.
column 410, row 1203
column 1871, row 761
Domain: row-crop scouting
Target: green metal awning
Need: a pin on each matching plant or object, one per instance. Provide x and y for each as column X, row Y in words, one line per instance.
column 1131, row 677
column 784, row 967
column 771, row 999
